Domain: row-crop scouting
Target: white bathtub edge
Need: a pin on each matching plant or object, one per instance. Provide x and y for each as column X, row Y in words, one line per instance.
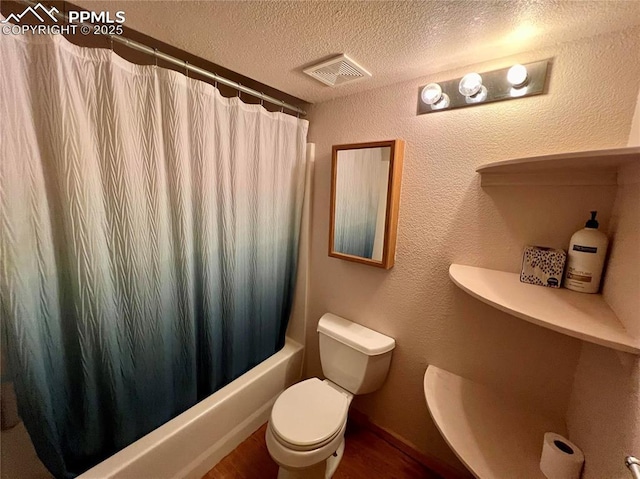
column 162, row 448
column 207, row 461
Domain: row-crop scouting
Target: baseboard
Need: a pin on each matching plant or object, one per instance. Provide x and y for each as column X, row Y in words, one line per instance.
column 436, row 465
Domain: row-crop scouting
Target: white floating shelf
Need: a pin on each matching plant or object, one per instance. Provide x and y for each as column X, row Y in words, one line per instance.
column 580, row 315
column 496, row 437
column 598, row 167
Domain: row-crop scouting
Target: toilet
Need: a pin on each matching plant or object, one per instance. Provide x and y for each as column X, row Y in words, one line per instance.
column 305, row 435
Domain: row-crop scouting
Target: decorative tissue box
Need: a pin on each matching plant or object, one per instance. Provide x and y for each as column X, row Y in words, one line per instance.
column 543, row 266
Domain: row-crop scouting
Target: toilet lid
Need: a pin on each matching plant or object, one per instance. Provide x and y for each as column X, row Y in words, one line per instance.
column 309, row 413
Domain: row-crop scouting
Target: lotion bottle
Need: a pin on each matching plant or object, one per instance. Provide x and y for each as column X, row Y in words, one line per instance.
column 585, row 258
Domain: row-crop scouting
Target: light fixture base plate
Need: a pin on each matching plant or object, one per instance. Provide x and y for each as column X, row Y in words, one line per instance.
column 498, row 88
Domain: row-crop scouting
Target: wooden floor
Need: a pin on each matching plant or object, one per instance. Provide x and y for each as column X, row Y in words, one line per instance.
column 366, row 456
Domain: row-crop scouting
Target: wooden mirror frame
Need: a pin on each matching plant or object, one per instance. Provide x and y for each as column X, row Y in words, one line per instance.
column 393, row 201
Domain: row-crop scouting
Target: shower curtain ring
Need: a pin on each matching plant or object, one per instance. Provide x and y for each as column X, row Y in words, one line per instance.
column 111, row 42
column 261, row 98
column 282, row 107
column 215, row 82
column 186, row 68
column 239, row 91
column 155, row 57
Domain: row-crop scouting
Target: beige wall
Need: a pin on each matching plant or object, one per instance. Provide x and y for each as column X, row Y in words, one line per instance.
column 634, row 132
column 604, row 411
column 445, row 217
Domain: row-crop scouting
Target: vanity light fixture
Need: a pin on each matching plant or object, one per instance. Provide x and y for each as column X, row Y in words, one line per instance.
column 442, row 103
column 431, row 94
column 470, row 84
column 517, row 81
column 479, row 96
column 517, row 76
column 518, row 92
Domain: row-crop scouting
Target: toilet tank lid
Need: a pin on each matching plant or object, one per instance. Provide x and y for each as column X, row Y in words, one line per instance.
column 363, row 339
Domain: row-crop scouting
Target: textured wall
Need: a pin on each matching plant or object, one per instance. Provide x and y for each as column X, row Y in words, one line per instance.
column 445, row 217
column 604, row 411
column 634, row 133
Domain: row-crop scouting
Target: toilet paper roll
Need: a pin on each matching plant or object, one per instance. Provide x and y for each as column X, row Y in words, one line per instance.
column 561, row 459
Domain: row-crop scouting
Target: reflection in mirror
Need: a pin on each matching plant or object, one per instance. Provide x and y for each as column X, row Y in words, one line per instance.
column 362, row 179
column 365, row 195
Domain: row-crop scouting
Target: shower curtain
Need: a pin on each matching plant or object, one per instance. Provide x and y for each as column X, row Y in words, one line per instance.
column 148, row 242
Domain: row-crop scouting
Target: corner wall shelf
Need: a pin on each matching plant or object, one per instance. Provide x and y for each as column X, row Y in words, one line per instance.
column 583, row 316
column 496, row 437
column 596, row 167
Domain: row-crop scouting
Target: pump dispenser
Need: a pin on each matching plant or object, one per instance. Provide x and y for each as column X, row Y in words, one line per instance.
column 585, row 259
column 592, row 223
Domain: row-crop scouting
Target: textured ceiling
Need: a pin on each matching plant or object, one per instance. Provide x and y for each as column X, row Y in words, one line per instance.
column 272, row 41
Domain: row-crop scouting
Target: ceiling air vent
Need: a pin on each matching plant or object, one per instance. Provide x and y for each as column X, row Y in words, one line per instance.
column 337, row 71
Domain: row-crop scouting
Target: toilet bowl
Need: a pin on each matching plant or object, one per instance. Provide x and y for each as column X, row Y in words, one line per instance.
column 305, row 435
column 307, row 428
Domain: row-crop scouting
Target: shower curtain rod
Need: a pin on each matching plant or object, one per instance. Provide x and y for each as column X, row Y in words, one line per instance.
column 186, row 65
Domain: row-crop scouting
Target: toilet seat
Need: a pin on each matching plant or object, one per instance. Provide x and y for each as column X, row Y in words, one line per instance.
column 308, row 415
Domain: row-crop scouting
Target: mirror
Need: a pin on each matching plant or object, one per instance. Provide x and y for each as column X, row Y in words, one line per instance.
column 365, row 197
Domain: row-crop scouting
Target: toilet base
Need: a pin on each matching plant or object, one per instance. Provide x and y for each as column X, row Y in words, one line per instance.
column 334, row 460
column 323, row 470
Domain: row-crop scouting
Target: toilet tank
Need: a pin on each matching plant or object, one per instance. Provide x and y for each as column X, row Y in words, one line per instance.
column 353, row 357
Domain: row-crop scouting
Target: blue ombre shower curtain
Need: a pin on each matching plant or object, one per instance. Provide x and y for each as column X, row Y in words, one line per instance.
column 148, row 242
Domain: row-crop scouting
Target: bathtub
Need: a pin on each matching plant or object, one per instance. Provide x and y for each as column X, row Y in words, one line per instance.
column 192, row 443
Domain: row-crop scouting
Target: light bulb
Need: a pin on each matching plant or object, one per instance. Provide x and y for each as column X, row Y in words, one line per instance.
column 478, row 97
column 516, row 92
column 431, row 93
column 470, row 84
column 442, row 103
column 517, row 76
